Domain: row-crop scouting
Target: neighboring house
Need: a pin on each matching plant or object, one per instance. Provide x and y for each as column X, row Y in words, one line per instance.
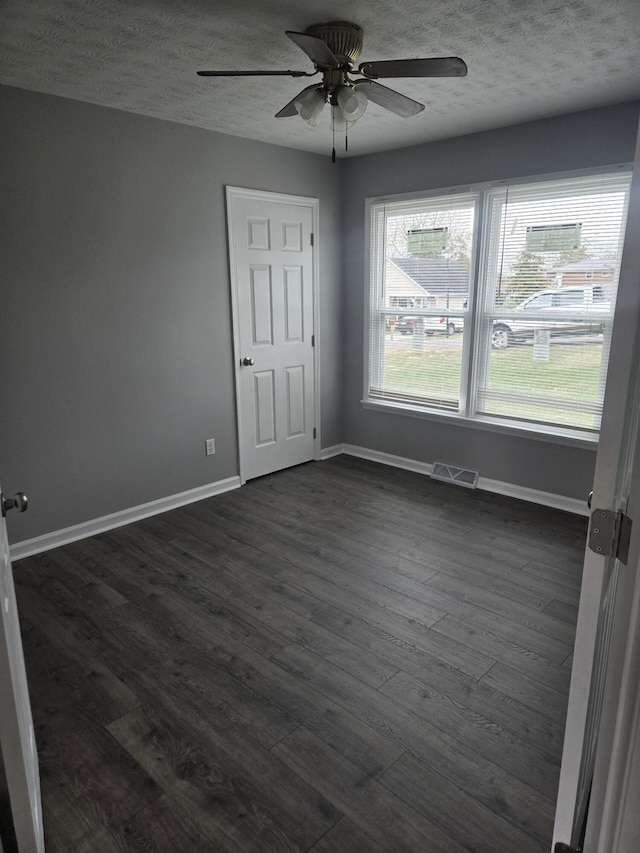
column 426, row 283
column 588, row 271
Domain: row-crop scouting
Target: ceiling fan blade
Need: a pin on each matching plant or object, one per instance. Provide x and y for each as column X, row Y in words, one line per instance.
column 443, row 66
column 290, row 108
column 317, row 51
column 254, row 74
column 389, row 99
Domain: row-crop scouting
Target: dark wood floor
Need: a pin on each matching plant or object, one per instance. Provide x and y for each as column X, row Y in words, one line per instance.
column 338, row 658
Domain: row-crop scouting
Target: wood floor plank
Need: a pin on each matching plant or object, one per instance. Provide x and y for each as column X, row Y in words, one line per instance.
column 163, row 828
column 518, row 684
column 257, row 676
column 524, row 719
column 413, row 603
column 345, row 837
column 360, row 798
column 537, row 635
column 545, row 623
column 290, row 626
column 373, row 630
column 567, row 613
column 51, row 644
column 463, row 766
column 478, row 731
column 504, row 650
column 458, row 814
column 554, row 572
column 88, row 780
column 221, row 535
column 237, row 812
column 512, row 582
column 288, row 536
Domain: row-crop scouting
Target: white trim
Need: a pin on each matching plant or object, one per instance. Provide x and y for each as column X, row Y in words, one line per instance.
column 511, row 490
column 315, row 224
column 233, row 193
column 119, row 519
column 329, row 452
column 535, row 496
column 388, row 459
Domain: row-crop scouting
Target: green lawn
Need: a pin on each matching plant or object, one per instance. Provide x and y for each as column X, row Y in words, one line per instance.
column 568, row 381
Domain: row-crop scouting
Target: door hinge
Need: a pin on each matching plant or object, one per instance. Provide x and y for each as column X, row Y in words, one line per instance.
column 315, row 433
column 313, row 340
column 565, row 848
column 610, row 533
column 311, row 238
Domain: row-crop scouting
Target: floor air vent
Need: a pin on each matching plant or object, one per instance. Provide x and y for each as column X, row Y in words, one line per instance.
column 451, row 474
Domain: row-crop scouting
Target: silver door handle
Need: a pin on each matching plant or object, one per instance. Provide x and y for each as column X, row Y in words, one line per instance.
column 247, row 361
column 19, row 501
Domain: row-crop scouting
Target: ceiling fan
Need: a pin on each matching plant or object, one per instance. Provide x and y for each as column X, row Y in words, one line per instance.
column 333, row 48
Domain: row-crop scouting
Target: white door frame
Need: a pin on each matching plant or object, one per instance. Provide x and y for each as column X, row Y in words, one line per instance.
column 233, row 193
column 611, row 486
column 17, row 738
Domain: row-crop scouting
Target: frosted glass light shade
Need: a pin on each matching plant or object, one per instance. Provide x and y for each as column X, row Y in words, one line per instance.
column 338, row 120
column 309, row 105
column 352, row 102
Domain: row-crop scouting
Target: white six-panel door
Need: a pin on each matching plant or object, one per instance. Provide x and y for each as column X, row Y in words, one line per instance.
column 272, row 271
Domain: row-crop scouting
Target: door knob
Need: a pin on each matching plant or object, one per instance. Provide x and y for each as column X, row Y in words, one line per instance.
column 247, row 361
column 19, row 501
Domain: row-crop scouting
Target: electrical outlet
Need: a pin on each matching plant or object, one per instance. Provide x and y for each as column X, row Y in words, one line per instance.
column 210, row 445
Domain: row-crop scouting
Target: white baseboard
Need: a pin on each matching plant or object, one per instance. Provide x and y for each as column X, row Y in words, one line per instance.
column 119, row 519
column 496, row 486
column 328, row 452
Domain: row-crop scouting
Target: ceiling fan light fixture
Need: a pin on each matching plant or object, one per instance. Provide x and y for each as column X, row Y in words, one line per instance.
column 352, row 103
column 309, row 105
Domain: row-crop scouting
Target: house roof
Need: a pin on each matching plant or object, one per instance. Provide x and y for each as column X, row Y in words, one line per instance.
column 435, row 276
column 587, row 265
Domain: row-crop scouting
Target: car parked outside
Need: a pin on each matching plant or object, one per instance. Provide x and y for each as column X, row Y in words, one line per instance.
column 581, row 311
column 407, row 324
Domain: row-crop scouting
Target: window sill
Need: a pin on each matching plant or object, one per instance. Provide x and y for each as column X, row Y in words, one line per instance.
column 566, row 437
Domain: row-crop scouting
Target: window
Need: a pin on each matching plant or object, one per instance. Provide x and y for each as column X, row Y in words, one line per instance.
column 482, row 304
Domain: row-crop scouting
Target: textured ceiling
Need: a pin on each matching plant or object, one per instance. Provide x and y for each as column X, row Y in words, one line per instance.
column 527, row 59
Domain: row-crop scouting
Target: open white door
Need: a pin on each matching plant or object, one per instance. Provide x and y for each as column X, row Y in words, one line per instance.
column 272, row 279
column 607, row 584
column 16, row 726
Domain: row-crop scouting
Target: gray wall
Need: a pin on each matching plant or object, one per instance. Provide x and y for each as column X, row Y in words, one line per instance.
column 115, row 318
column 115, row 313
column 594, row 138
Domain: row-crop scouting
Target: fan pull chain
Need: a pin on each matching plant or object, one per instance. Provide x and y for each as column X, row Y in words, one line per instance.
column 333, row 151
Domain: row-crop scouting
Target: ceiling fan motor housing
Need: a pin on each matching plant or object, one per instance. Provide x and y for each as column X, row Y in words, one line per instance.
column 343, row 39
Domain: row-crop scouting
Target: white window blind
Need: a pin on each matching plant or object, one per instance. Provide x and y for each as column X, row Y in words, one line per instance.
column 527, row 343
column 549, row 287
column 421, row 254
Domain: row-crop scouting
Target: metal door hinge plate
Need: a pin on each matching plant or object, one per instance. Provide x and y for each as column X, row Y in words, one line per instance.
column 609, row 534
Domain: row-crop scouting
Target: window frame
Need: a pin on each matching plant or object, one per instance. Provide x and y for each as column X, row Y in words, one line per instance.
column 474, row 360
